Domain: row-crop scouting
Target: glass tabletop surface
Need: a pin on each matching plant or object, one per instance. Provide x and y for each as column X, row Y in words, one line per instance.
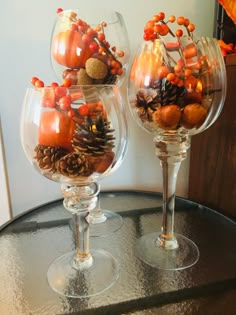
column 30, row 242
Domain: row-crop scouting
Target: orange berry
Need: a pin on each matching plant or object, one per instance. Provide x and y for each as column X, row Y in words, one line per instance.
column 161, row 15
column 54, row 84
column 120, row 53
column 170, row 76
column 180, row 20
column 171, row 18
column 66, row 82
column 178, row 68
column 39, row 83
column 119, row 71
column 157, row 28
column 98, row 28
column 65, row 102
column 164, row 30
column 187, row 72
column 162, row 72
column 179, row 33
column 186, row 22
column 34, row 79
column 83, row 110
column 60, row 91
column 156, row 18
column 191, row 27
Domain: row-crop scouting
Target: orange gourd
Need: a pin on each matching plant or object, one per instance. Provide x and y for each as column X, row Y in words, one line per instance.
column 56, row 129
column 145, row 68
column 69, row 50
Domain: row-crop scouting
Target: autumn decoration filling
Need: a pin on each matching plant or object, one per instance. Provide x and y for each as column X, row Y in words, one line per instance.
column 84, row 52
column 171, row 76
column 75, row 138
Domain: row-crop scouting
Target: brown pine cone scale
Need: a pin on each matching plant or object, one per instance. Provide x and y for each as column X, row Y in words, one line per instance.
column 74, row 165
column 47, row 157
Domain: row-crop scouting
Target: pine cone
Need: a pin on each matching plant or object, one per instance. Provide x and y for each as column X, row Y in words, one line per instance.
column 48, row 156
column 93, row 137
column 147, row 101
column 170, row 93
column 74, row 164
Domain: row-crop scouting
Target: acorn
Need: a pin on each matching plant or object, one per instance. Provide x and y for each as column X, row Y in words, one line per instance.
column 193, row 116
column 96, row 69
column 167, row 117
column 83, row 78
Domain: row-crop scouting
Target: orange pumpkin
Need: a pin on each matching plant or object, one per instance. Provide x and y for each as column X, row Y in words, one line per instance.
column 69, row 50
column 56, row 129
column 145, row 68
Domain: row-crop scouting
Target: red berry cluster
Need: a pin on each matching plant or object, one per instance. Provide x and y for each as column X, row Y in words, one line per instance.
column 158, row 26
column 39, row 83
column 57, row 96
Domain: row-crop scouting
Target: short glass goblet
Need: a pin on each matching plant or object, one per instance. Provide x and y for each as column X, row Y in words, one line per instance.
column 176, row 90
column 91, row 47
column 76, row 136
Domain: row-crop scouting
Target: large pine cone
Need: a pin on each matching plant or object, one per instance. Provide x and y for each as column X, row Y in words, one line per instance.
column 93, row 137
column 170, row 93
column 74, row 164
column 47, row 157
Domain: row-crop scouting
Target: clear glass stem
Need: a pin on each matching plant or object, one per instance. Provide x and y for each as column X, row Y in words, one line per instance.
column 97, row 216
column 80, row 200
column 171, row 150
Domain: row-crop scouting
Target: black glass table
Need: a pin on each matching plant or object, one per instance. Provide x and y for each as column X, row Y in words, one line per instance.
column 30, row 242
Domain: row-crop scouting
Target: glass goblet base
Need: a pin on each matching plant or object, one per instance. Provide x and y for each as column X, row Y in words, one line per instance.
column 182, row 257
column 68, row 281
column 107, row 222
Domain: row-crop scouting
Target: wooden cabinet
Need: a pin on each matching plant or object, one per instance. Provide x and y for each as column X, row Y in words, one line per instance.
column 212, row 178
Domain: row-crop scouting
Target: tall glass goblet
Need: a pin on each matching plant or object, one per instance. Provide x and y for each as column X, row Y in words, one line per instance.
column 91, row 47
column 176, row 90
column 75, row 137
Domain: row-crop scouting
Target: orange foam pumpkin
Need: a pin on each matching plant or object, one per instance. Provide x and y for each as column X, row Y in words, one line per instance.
column 56, row 129
column 145, row 68
column 69, row 50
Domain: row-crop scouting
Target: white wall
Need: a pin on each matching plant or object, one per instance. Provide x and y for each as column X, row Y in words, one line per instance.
column 24, row 49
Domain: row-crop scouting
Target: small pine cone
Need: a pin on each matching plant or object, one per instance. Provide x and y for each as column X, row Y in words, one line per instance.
column 144, row 115
column 47, row 157
column 74, row 164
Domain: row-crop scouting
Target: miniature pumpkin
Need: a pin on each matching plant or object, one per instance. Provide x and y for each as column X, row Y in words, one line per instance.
column 56, row 129
column 69, row 50
column 145, row 68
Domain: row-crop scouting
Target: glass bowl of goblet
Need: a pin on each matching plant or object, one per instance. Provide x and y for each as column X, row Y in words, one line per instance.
column 91, row 47
column 75, row 136
column 176, row 90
